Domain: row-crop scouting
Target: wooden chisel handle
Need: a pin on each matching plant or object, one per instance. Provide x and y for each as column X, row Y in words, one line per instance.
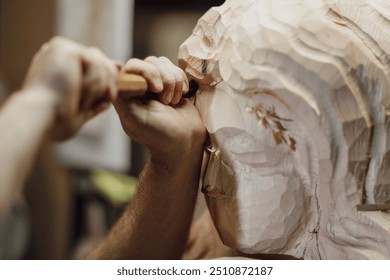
column 131, row 85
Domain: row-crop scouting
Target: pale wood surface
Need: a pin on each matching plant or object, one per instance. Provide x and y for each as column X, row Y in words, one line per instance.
column 295, row 96
column 130, row 85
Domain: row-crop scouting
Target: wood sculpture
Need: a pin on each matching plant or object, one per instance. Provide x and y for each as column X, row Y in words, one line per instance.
column 295, row 96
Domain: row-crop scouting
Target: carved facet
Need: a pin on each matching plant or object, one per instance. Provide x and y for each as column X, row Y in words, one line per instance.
column 295, row 96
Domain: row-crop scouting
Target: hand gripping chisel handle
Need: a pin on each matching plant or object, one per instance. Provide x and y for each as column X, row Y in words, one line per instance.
column 132, row 85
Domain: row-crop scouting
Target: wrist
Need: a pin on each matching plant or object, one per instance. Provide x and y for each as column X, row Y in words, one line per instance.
column 177, row 176
column 41, row 96
column 184, row 155
column 40, row 101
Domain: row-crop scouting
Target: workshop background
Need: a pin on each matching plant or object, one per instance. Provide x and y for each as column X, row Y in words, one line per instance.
column 78, row 189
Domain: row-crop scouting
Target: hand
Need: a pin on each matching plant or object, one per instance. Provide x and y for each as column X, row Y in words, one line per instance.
column 80, row 80
column 169, row 131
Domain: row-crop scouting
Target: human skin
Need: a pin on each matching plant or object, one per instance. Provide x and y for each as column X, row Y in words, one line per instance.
column 66, row 85
column 156, row 223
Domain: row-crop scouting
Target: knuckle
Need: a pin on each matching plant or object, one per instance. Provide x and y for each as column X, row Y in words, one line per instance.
column 58, row 45
column 169, row 80
column 154, row 73
column 44, row 50
column 179, row 71
column 151, row 58
column 94, row 51
column 163, row 58
column 131, row 62
column 45, row 47
column 178, row 77
column 58, row 42
column 166, row 60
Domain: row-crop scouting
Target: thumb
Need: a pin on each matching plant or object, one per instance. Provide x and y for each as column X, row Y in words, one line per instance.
column 132, row 114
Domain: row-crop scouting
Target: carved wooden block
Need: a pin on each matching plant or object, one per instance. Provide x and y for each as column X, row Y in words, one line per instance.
column 295, row 96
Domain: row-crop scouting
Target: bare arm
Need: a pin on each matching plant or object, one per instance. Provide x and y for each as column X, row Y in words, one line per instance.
column 57, row 98
column 156, row 223
column 20, row 140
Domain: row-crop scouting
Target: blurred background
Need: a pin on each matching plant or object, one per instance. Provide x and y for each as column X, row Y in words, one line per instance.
column 78, row 189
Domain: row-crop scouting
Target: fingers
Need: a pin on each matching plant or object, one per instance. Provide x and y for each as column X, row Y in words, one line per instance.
column 133, row 115
column 163, row 77
column 97, row 75
column 150, row 72
column 56, row 66
column 99, row 78
column 171, row 80
column 82, row 80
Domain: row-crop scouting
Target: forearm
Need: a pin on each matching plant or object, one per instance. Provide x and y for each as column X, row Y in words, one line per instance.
column 156, row 223
column 25, row 118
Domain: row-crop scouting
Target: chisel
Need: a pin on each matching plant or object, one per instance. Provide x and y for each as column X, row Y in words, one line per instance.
column 132, row 85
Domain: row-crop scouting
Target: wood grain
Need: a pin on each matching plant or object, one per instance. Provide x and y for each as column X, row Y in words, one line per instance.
column 295, row 96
